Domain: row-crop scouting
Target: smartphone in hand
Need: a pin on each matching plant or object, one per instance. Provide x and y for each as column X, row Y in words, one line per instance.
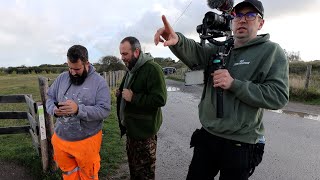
column 57, row 104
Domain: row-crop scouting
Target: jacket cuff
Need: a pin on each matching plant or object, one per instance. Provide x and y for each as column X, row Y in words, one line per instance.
column 81, row 114
column 179, row 43
column 235, row 86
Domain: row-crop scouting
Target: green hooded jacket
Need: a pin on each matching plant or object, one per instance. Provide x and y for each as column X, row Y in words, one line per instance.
column 260, row 71
column 143, row 115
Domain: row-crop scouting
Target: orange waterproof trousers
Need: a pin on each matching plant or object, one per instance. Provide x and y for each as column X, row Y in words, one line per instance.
column 79, row 160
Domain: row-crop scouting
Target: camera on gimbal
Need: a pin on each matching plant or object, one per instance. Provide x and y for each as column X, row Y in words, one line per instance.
column 215, row 26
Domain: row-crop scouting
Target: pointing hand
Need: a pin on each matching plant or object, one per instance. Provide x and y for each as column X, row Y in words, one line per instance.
column 166, row 34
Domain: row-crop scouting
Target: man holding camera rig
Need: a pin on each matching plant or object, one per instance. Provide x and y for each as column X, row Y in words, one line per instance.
column 255, row 78
column 80, row 100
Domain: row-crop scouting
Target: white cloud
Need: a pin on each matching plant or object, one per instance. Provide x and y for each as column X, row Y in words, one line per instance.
column 296, row 33
column 40, row 32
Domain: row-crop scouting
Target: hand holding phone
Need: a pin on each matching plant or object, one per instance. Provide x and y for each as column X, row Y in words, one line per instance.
column 57, row 104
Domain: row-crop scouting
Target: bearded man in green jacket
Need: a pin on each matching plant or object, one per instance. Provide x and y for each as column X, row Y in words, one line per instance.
column 255, row 78
column 140, row 97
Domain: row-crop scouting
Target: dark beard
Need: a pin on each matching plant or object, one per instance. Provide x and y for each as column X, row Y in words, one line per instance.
column 132, row 62
column 77, row 79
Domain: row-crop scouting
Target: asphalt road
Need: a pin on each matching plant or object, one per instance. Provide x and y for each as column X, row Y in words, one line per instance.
column 292, row 147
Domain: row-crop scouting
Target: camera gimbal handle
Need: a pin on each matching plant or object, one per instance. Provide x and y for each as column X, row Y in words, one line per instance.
column 218, row 63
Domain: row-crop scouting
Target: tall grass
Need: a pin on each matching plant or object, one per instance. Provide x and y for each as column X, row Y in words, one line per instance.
column 18, row 148
column 299, row 93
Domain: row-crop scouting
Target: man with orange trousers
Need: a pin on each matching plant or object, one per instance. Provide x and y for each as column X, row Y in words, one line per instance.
column 80, row 100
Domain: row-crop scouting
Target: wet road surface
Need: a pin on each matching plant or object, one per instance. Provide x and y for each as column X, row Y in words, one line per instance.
column 291, row 152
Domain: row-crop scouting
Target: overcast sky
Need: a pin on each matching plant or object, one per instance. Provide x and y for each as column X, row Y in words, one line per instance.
column 40, row 32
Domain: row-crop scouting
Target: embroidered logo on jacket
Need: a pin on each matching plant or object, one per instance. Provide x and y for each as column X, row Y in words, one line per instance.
column 241, row 62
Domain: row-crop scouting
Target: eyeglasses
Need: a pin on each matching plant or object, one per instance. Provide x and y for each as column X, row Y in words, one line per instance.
column 249, row 16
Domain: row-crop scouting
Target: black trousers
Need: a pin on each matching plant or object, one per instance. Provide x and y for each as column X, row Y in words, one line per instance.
column 212, row 154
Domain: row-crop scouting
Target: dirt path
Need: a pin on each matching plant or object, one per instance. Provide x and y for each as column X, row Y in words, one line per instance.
column 122, row 173
column 10, row 171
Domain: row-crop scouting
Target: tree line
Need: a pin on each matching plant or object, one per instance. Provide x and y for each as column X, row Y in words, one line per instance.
column 113, row 63
column 105, row 64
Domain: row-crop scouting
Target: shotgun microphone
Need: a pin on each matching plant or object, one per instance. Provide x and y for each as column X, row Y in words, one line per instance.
column 221, row 5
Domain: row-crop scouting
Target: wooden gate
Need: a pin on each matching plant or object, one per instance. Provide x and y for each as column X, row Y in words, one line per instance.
column 30, row 115
column 36, row 128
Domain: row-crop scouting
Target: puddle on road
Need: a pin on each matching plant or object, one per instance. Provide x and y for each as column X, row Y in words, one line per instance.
column 172, row 89
column 299, row 114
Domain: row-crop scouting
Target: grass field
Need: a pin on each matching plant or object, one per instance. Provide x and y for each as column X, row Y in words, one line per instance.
column 18, row 148
column 311, row 95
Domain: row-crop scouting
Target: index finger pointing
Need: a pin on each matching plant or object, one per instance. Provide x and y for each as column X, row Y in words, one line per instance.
column 166, row 24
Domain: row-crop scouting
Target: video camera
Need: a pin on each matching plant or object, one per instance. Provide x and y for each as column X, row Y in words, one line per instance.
column 215, row 26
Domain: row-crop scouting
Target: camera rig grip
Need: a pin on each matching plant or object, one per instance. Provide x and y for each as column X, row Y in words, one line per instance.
column 218, row 62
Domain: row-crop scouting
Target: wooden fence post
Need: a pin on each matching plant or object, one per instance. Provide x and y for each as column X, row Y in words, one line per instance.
column 104, row 75
column 113, row 77
column 43, row 138
column 308, row 74
column 43, row 85
column 110, row 79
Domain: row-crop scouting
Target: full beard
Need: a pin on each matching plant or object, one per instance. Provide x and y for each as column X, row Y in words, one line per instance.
column 132, row 63
column 77, row 79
